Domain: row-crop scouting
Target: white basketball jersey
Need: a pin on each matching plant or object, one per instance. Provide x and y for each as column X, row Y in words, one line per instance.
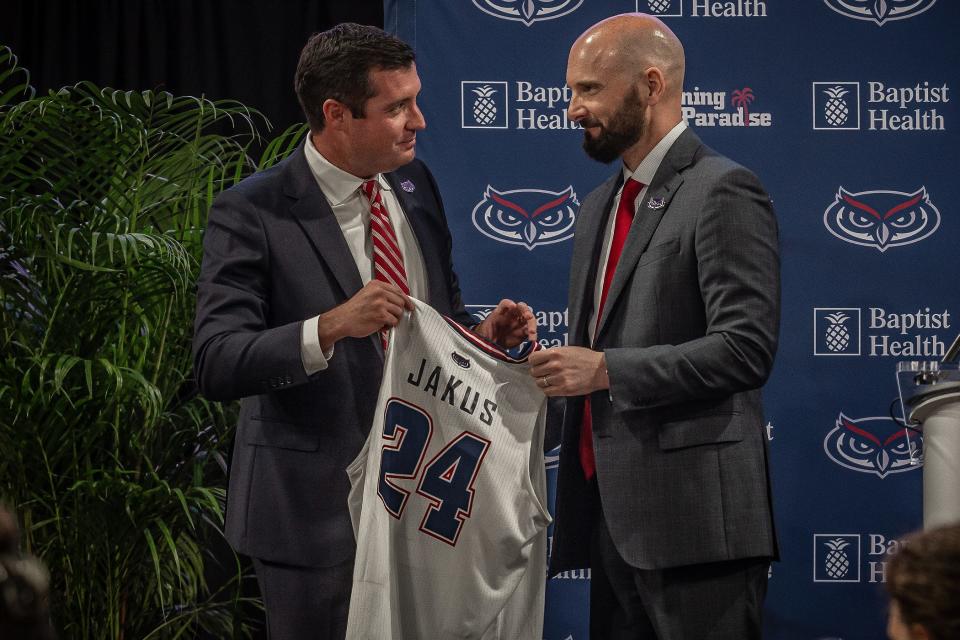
column 448, row 498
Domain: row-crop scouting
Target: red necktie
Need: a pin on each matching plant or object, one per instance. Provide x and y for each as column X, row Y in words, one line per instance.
column 621, row 227
column 387, row 259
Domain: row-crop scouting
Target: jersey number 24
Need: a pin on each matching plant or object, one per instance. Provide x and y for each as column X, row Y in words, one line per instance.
column 446, row 481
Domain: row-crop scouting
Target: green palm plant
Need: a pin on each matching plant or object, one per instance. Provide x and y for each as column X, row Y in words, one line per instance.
column 114, row 464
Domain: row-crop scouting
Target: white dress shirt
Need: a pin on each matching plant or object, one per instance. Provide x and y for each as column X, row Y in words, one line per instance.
column 644, row 174
column 352, row 210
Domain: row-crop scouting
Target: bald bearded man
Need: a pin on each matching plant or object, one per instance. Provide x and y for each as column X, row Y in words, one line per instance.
column 663, row 487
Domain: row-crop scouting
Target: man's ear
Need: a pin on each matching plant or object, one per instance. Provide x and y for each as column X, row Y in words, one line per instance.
column 334, row 113
column 654, row 84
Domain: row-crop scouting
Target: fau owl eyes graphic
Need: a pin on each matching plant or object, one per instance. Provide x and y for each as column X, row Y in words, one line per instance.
column 527, row 11
column 873, row 445
column 528, row 217
column 879, row 11
column 882, row 219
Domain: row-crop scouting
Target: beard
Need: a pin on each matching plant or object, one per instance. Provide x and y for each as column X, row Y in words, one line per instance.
column 625, row 128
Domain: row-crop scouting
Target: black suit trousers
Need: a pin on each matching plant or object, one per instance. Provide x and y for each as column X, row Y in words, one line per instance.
column 713, row 601
column 305, row 603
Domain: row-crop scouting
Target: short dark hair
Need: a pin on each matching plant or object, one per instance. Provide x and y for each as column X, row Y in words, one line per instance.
column 923, row 576
column 336, row 64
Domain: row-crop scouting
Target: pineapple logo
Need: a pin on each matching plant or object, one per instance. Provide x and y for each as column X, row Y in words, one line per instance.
column 663, row 7
column 837, row 563
column 835, row 110
column 484, row 108
column 836, row 106
column 484, row 104
column 836, row 332
column 836, row 557
column 837, row 335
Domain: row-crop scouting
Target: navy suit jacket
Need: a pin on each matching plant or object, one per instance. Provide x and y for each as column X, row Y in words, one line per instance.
column 274, row 255
column 689, row 329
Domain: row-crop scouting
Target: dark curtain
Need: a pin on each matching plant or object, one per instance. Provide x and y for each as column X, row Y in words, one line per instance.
column 241, row 49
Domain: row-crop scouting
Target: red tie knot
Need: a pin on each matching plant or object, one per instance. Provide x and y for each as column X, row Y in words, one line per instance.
column 370, row 188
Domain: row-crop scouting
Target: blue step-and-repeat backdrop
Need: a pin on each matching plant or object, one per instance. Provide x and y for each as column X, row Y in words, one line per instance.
column 846, row 110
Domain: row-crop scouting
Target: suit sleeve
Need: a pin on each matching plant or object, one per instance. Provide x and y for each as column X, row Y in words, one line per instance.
column 738, row 273
column 236, row 351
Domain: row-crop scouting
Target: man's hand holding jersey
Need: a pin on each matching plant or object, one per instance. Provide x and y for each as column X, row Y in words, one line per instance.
column 509, row 324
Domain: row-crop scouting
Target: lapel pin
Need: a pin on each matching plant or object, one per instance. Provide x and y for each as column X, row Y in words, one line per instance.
column 656, row 203
column 407, row 186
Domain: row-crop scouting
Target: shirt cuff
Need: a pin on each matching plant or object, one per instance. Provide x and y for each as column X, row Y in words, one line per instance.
column 312, row 355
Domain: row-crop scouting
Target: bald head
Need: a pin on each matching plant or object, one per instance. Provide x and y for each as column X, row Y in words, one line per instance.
column 631, row 43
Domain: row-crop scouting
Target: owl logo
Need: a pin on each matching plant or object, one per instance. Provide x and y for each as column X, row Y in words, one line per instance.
column 882, row 219
column 527, row 217
column 880, row 11
column 528, row 11
column 873, row 445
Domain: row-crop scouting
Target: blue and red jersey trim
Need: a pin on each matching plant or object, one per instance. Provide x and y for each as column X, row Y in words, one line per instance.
column 491, row 348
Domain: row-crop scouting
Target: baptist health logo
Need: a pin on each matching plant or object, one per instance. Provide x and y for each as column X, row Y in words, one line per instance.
column 484, row 104
column 839, row 105
column 840, row 331
column 527, row 11
column 836, row 557
column 836, row 106
column 839, row 557
column 879, row 11
column 836, row 332
column 704, row 8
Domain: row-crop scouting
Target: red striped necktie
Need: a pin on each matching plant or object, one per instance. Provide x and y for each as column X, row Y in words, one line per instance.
column 387, row 259
column 621, row 227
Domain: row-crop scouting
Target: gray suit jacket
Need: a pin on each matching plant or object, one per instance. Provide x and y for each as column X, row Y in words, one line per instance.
column 274, row 255
column 689, row 330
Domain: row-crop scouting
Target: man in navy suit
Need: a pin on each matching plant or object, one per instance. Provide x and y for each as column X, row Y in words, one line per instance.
column 300, row 274
column 663, row 485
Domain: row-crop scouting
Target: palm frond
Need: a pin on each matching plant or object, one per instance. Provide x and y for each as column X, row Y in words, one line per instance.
column 283, row 145
column 115, row 465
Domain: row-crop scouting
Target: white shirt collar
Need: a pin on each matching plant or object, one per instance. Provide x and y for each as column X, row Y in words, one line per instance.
column 337, row 185
column 647, row 168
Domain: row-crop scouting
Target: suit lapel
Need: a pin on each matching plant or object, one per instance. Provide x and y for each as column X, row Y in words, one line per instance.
column 586, row 251
column 313, row 214
column 420, row 221
column 315, row 217
column 656, row 204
